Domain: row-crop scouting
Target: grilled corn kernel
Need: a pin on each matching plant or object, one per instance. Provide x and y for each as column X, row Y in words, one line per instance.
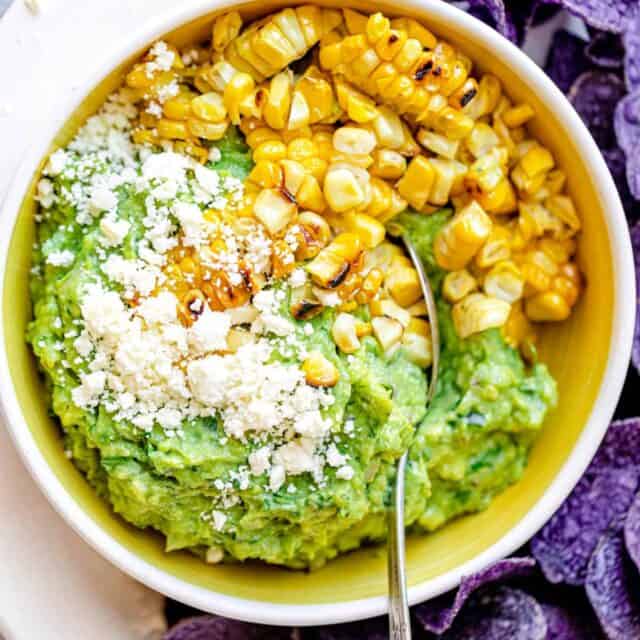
column 354, row 21
column 461, row 238
column 342, row 190
column 457, row 285
column 178, row 107
column 293, row 174
column 495, row 249
column 387, row 331
column 438, row 144
column 276, row 108
column 266, row 174
column 225, row 29
column 320, row 372
column 536, row 161
column 518, row 329
column 562, row 207
column 238, row 88
column 403, row 284
column 370, row 286
column 209, row 107
column 353, row 140
column 316, row 234
column 417, row 182
column 270, row 150
column 482, row 140
column 504, row 282
column 331, row 266
column 518, row 115
column 274, row 209
column 388, row 129
column 344, row 333
column 390, row 309
column 549, row 306
column 478, row 312
column 310, row 195
column 173, row 129
column 445, row 174
column 370, row 231
column 388, row 164
column 418, row 348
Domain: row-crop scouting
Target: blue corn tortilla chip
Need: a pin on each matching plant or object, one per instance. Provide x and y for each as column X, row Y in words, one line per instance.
column 632, row 531
column 567, row 624
column 599, row 501
column 627, row 127
column 218, row 628
column 608, row 15
column 613, row 586
column 631, row 43
column 499, row 613
column 438, row 614
column 375, row 629
column 494, row 13
column 595, row 95
column 617, row 163
column 635, row 242
column 605, row 50
column 566, row 60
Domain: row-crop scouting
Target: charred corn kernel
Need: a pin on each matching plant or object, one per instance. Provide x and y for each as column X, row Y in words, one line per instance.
column 461, row 238
column 388, row 129
column 536, row 161
column 300, row 149
column 535, row 220
column 479, row 312
column 387, row 331
column 276, row 107
column 388, row 164
column 315, row 232
column 408, row 55
column 368, row 229
column 293, row 174
column 342, row 190
column 398, row 205
column 370, row 286
column 353, row 140
column 389, row 308
column 266, row 174
column 344, row 333
column 310, row 195
column 404, row 286
column 453, row 124
column 381, row 257
column 518, row 115
column 547, row 307
column 538, row 270
column 390, row 45
column 318, row 94
column 482, row 139
column 417, row 182
column 238, row 88
column 178, row 107
column 173, row 129
column 438, row 144
column 495, row 249
column 504, row 282
column 237, row 338
column 445, row 174
column 270, row 150
column 274, row 209
column 562, row 207
column 209, row 107
column 299, row 114
column 457, row 285
column 225, row 29
column 320, row 372
column 331, row 266
column 381, row 198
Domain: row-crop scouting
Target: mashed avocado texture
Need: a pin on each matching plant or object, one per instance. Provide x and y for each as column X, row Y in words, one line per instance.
column 204, row 489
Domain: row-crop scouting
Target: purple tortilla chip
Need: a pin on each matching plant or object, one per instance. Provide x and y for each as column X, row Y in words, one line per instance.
column 438, row 614
column 566, row 60
column 375, row 629
column 632, row 531
column 635, row 242
column 565, row 544
column 566, row 624
column 627, row 122
column 632, row 54
column 612, row 586
column 499, row 614
column 594, row 95
column 494, row 13
column 605, row 50
column 608, row 15
column 219, row 628
column 620, row 447
column 617, row 163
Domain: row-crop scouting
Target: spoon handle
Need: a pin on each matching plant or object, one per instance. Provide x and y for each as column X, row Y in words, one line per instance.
column 399, row 621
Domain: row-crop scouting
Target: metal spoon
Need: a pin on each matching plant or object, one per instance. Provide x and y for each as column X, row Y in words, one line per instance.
column 399, row 621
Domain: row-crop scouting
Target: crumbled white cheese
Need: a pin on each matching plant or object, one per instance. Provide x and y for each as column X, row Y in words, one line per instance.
column 56, row 164
column 219, row 520
column 209, row 332
column 214, row 555
column 192, row 222
column 345, row 473
column 161, row 309
column 114, row 230
column 102, row 199
column 260, row 460
column 88, row 393
column 63, row 258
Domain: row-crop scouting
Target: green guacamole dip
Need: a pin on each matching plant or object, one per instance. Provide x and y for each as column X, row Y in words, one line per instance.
column 471, row 444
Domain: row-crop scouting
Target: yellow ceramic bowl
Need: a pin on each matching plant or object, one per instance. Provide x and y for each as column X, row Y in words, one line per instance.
column 588, row 355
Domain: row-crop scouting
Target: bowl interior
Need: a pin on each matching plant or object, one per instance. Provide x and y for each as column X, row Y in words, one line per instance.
column 575, row 351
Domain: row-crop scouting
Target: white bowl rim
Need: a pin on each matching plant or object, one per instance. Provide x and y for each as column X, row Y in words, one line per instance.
column 563, row 483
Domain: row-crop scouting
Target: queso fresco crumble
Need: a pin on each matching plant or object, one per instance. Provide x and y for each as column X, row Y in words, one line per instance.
column 235, row 347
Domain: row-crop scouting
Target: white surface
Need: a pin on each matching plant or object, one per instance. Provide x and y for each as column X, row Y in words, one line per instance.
column 593, row 431
column 53, row 586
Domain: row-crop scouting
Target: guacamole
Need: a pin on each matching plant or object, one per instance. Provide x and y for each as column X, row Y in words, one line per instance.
column 184, row 472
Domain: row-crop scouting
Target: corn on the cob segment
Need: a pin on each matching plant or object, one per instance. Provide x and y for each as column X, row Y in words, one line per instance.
column 382, row 115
